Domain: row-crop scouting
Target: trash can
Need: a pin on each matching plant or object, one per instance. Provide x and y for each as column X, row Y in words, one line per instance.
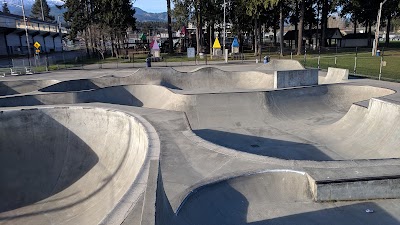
column 378, row 53
column 266, row 59
column 148, row 62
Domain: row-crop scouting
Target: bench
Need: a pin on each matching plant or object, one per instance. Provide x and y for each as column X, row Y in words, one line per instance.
column 21, row 71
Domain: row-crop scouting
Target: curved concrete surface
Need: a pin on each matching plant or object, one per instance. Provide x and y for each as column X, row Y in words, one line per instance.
column 23, row 86
column 267, row 198
column 321, row 130
column 67, row 165
column 283, row 124
column 373, row 129
column 281, row 64
column 334, row 76
column 206, row 79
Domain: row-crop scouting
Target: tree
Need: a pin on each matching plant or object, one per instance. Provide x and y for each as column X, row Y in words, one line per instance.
column 170, row 41
column 390, row 11
column 100, row 20
column 301, row 27
column 36, row 11
column 5, row 9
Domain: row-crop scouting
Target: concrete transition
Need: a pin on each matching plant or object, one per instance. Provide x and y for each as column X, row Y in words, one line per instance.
column 207, row 146
column 334, row 75
column 281, row 64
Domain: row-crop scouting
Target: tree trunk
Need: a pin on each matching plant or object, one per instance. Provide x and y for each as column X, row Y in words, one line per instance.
column 389, row 24
column 260, row 38
column 324, row 21
column 369, row 33
column 170, row 41
column 255, row 37
column 301, row 25
column 198, row 26
column 112, row 45
column 281, row 26
column 296, row 25
column 355, row 26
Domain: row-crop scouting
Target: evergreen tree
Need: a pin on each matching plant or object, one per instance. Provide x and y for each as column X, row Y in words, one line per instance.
column 37, row 10
column 5, row 10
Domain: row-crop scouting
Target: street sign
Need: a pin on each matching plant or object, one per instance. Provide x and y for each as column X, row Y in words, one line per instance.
column 37, row 45
column 216, row 44
column 191, row 53
column 37, row 51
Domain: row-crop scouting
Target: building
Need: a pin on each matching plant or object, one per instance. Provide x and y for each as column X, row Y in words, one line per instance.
column 13, row 35
column 333, row 37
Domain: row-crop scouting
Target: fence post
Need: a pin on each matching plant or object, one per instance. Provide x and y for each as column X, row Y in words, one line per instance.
column 46, row 62
column 319, row 57
column 355, row 62
column 335, row 61
column 305, row 56
column 336, row 55
column 380, row 68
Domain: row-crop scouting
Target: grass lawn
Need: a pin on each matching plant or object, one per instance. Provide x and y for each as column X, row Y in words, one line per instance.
column 367, row 65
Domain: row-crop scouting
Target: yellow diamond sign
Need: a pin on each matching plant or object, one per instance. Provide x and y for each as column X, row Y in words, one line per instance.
column 37, row 45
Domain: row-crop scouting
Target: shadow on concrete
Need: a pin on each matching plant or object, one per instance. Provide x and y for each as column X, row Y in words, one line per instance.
column 39, row 157
column 263, row 146
column 6, row 90
column 222, row 204
column 113, row 95
column 72, row 85
column 169, row 85
column 73, row 176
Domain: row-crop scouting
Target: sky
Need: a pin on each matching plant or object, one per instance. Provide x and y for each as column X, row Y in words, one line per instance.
column 154, row 6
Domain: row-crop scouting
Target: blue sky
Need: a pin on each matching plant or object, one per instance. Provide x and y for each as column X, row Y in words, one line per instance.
column 154, row 6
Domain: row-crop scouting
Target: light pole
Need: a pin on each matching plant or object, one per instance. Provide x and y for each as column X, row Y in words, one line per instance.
column 223, row 48
column 26, row 32
column 378, row 24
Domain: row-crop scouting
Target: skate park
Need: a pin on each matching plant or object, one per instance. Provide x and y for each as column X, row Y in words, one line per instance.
column 220, row 144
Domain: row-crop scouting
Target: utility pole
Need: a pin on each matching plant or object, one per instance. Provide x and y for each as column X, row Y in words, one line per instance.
column 223, row 48
column 378, row 24
column 26, row 32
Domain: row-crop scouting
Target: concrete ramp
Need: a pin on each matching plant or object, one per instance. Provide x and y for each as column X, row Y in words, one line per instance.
column 276, row 197
column 375, row 130
column 207, row 79
column 23, row 86
column 68, row 165
column 281, row 64
column 334, row 76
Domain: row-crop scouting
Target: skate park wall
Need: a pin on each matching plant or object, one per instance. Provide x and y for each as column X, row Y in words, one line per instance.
column 295, row 78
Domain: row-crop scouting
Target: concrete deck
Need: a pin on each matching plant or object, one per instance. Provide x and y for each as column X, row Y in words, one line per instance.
column 198, row 146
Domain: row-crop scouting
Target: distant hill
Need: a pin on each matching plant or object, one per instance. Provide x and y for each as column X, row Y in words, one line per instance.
column 141, row 15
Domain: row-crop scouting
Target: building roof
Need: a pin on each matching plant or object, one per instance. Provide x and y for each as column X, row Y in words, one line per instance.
column 358, row 36
column 332, row 33
column 14, row 16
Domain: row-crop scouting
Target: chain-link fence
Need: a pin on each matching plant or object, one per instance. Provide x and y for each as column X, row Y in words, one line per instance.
column 359, row 61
